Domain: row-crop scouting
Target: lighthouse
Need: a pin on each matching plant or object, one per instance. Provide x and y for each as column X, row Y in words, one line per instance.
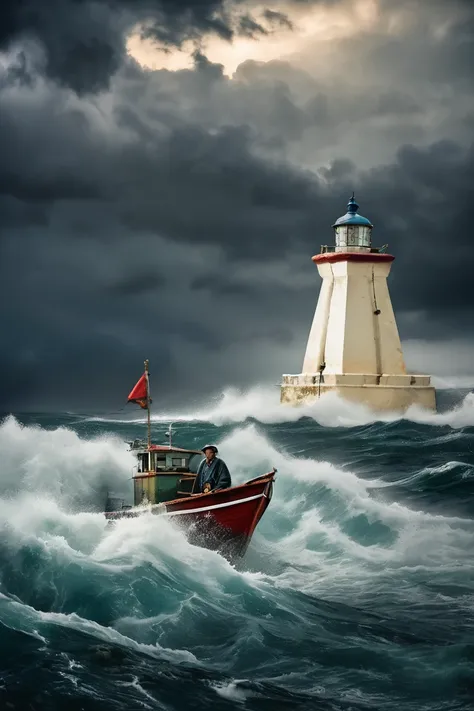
column 354, row 347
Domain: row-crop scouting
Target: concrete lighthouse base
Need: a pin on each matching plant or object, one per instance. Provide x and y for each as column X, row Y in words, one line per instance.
column 389, row 393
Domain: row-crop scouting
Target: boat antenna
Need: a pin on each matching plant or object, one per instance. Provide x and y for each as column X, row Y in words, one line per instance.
column 169, row 433
column 148, row 402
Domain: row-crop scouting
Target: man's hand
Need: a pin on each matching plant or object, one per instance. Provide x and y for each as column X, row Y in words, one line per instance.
column 207, row 488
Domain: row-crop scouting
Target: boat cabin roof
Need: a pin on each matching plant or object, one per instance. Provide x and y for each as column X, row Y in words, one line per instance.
column 167, row 448
column 140, row 447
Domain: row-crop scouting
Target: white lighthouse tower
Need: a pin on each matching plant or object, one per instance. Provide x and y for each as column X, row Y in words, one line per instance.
column 353, row 346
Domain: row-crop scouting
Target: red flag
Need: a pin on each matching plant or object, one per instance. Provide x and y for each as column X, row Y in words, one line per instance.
column 140, row 392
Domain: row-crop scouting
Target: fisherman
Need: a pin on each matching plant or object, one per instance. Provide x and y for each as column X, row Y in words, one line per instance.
column 212, row 472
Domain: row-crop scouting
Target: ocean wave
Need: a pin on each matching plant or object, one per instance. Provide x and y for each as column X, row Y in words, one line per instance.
column 349, row 575
column 320, row 512
column 57, row 463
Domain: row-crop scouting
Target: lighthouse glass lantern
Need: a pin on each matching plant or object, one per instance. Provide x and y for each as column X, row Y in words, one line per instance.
column 353, row 232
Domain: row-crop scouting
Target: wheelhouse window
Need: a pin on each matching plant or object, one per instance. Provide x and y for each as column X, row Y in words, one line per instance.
column 143, row 462
column 178, row 462
column 160, row 461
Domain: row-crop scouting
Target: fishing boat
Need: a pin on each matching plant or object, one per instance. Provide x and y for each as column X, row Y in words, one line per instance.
column 164, row 483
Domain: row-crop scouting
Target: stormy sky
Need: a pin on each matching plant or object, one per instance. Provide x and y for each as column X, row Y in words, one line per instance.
column 168, row 168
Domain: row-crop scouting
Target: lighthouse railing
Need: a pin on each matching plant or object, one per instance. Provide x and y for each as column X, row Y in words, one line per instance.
column 325, row 248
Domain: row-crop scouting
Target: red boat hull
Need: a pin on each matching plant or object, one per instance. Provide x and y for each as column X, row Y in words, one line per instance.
column 223, row 520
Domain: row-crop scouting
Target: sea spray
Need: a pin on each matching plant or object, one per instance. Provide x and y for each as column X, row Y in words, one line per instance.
column 58, row 463
column 331, row 410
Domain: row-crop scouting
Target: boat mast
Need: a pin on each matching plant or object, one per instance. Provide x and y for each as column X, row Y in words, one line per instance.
column 148, row 401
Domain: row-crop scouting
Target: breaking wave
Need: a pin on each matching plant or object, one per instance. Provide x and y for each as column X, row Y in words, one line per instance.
column 262, row 404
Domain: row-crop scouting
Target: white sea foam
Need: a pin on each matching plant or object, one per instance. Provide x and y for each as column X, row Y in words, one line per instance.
column 58, row 463
column 262, row 404
column 230, row 690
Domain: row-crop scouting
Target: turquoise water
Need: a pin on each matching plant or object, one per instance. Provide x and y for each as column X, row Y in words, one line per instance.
column 357, row 591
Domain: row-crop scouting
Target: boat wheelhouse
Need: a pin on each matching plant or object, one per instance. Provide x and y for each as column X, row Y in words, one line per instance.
column 163, row 472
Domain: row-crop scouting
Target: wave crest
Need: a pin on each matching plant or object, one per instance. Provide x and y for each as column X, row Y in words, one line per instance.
column 261, row 403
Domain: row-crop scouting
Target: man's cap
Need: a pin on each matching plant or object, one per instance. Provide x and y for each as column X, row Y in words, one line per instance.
column 210, row 446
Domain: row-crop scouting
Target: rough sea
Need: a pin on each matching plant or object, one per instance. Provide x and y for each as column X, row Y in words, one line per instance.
column 357, row 591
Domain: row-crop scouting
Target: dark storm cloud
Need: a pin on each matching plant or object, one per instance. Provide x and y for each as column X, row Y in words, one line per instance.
column 422, row 208
column 136, row 283
column 83, row 40
column 149, row 179
column 278, row 18
column 174, row 216
column 249, row 28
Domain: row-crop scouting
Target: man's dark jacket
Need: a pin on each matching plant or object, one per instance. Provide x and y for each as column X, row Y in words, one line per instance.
column 216, row 474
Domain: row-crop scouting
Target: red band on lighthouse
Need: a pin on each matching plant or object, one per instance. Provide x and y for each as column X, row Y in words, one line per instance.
column 367, row 257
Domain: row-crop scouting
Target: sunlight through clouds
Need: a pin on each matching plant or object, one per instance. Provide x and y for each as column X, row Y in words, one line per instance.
column 306, row 26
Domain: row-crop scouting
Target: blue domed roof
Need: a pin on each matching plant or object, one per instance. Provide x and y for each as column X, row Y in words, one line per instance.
column 351, row 217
